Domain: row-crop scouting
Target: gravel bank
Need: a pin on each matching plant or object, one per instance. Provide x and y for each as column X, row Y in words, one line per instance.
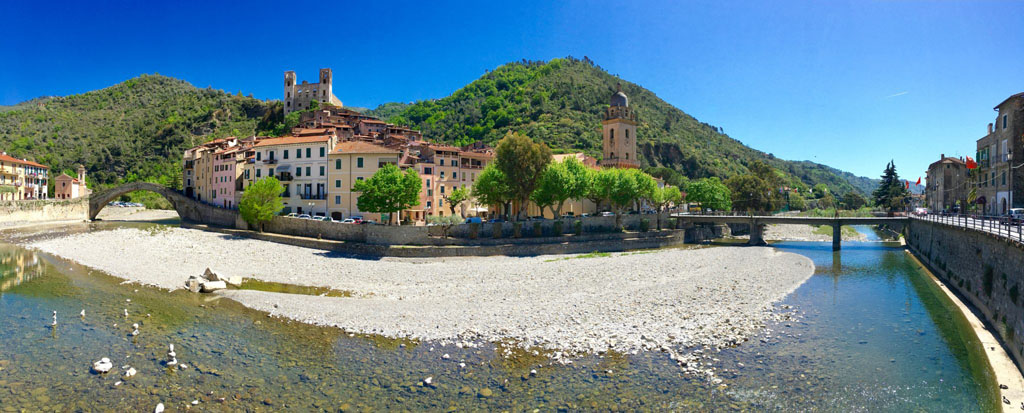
column 668, row 299
column 798, row 232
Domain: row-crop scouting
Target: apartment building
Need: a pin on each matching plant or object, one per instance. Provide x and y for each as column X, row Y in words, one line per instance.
column 947, row 186
column 300, row 163
column 22, row 179
column 349, row 163
column 999, row 178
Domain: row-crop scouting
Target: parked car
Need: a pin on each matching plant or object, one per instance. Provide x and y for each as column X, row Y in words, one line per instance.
column 607, row 214
column 368, row 222
column 1016, row 216
column 318, row 218
column 584, row 215
column 292, row 215
column 920, row 211
column 474, row 220
column 495, row 220
column 304, row 216
column 348, row 221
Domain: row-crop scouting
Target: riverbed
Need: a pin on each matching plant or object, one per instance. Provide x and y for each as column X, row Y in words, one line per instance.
column 867, row 332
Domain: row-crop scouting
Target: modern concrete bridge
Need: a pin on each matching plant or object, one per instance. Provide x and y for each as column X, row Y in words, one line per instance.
column 188, row 209
column 757, row 223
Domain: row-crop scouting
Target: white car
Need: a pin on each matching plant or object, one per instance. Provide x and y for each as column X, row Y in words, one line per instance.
column 348, row 221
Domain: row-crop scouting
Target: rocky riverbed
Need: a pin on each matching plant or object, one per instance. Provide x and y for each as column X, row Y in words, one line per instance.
column 799, row 232
column 673, row 300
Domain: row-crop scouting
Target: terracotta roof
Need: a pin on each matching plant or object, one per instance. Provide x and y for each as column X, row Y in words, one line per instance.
column 311, row 131
column 372, row 121
column 361, row 147
column 8, row 158
column 1008, row 99
column 475, row 154
column 445, row 148
column 292, row 140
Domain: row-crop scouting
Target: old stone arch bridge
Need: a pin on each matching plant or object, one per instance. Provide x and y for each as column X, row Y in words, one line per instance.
column 188, row 209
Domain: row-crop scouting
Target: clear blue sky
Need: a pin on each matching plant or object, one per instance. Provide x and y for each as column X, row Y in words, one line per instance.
column 848, row 84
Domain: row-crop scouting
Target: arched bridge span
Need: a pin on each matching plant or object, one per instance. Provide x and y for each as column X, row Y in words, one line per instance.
column 188, row 209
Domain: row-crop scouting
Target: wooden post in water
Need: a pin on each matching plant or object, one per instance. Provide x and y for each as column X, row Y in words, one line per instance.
column 837, row 235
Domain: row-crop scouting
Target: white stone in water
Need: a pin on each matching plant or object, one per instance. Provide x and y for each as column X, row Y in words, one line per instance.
column 102, row 366
column 446, row 356
column 125, row 313
column 159, row 408
column 82, row 313
column 183, row 366
column 463, row 365
column 131, row 372
column 428, row 380
column 195, row 402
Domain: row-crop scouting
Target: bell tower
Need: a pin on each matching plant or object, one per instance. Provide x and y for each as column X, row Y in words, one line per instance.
column 289, row 92
column 326, row 89
column 619, row 133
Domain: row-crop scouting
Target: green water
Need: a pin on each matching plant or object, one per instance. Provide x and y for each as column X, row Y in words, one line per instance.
column 873, row 335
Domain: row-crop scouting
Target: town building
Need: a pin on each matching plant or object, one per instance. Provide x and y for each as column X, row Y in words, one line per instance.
column 198, row 173
column 22, row 179
column 946, row 185
column 66, row 187
column 999, row 178
column 300, row 163
column 619, row 133
column 299, row 96
column 349, row 163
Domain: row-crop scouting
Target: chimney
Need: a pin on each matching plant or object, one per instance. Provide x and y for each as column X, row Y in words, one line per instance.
column 943, row 156
column 989, row 128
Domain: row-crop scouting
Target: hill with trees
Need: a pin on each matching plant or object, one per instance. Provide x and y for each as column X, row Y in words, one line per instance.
column 561, row 103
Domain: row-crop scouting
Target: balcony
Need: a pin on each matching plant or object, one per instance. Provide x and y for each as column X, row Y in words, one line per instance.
column 313, row 196
column 270, row 161
column 285, row 177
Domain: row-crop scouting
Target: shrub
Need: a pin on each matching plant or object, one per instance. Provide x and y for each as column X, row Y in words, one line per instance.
column 578, row 227
column 645, row 224
column 557, row 228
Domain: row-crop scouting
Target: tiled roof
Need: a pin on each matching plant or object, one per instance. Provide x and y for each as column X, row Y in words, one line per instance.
column 372, row 121
column 292, row 140
column 8, row 158
column 361, row 147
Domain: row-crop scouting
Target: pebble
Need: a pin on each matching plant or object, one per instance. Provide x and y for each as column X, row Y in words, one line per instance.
column 159, row 408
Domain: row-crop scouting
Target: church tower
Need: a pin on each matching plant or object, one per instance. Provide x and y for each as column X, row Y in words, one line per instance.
column 619, row 133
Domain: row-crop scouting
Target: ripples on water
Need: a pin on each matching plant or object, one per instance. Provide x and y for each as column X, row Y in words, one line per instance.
column 874, row 335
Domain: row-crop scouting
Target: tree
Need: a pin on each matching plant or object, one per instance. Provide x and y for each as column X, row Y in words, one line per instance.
column 663, row 197
column 623, row 190
column 827, row 201
column 709, row 193
column 456, row 197
column 797, row 202
column 820, row 190
column 389, row 191
column 523, row 162
column 891, row 194
column 261, row 201
column 854, row 201
column 492, row 188
column 561, row 182
column 646, row 186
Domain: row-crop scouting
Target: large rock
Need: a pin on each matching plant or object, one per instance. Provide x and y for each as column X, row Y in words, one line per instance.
column 102, row 366
column 213, row 275
column 211, row 286
column 193, row 284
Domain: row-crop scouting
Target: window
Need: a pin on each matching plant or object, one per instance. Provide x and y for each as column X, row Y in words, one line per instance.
column 359, row 178
column 627, row 155
column 270, row 172
column 611, row 135
column 337, row 199
column 428, row 171
column 442, row 189
column 337, row 164
column 307, row 172
column 428, row 183
column 359, row 162
column 257, row 173
column 298, row 154
column 309, row 152
column 271, row 155
column 442, row 174
column 627, row 135
column 298, row 171
column 285, row 154
column 321, row 171
column 337, row 183
column 455, row 175
column 1004, row 121
column 455, row 163
column 258, row 155
column 321, row 151
column 428, row 204
column 442, row 162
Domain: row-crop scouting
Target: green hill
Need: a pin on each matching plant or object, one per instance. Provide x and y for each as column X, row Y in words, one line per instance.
column 561, row 103
column 137, row 129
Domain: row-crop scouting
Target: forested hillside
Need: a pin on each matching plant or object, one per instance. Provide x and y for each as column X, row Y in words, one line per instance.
column 137, row 129
column 561, row 103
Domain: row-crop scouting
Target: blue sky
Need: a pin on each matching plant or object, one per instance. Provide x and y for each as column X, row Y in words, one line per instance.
column 848, row 84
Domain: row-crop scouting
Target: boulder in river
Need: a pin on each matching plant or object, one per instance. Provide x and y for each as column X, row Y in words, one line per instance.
column 102, row 366
column 213, row 275
column 193, row 283
column 211, row 286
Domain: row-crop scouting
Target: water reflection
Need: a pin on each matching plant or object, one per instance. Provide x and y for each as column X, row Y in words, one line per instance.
column 16, row 267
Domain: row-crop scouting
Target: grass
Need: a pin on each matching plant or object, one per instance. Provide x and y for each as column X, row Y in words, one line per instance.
column 594, row 254
column 827, row 230
column 258, row 285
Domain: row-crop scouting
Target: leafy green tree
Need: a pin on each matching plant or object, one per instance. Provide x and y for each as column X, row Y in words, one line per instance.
column 624, row 189
column 523, row 162
column 560, row 182
column 709, row 193
column 389, row 191
column 797, row 202
column 826, row 202
column 820, row 190
column 455, row 197
column 853, row 200
column 892, row 194
column 646, row 187
column 663, row 197
column 492, row 188
column 261, row 201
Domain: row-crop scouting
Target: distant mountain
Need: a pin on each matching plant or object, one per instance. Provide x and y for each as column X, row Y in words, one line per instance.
column 139, row 127
column 561, row 103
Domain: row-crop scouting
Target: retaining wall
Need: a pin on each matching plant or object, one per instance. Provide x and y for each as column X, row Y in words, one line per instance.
column 985, row 269
column 12, row 212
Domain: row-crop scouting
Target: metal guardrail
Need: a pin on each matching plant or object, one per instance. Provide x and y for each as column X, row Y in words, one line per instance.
column 999, row 225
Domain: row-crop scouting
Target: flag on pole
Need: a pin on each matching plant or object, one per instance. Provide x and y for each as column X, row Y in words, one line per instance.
column 971, row 164
column 908, row 184
column 919, row 180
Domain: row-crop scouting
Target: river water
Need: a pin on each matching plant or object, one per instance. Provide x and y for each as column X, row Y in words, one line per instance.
column 872, row 333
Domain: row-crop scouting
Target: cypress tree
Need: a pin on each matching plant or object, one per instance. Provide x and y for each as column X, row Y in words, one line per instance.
column 891, row 194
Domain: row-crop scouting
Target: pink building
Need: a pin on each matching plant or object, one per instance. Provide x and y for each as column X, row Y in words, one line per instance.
column 227, row 168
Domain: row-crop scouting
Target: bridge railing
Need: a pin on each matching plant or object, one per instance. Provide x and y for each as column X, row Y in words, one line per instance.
column 1000, row 225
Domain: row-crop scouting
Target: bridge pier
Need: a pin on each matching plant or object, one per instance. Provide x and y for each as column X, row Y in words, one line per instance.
column 837, row 236
column 757, row 234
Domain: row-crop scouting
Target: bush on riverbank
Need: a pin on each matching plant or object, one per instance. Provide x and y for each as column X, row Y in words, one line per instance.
column 864, row 212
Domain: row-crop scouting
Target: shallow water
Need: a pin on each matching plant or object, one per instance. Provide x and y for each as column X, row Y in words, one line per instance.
column 872, row 333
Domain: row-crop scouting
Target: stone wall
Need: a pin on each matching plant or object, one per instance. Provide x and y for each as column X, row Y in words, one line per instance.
column 14, row 212
column 590, row 225
column 985, row 269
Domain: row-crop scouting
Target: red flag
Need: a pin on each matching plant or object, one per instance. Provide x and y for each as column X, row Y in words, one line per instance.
column 908, row 184
column 971, row 164
column 919, row 180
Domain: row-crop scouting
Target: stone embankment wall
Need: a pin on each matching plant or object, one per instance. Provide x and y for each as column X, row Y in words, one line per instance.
column 986, row 269
column 16, row 212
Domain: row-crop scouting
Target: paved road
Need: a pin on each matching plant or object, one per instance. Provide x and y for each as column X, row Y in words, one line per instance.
column 992, row 226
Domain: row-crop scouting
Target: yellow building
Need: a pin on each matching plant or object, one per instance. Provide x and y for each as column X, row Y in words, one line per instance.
column 350, row 162
column 22, row 179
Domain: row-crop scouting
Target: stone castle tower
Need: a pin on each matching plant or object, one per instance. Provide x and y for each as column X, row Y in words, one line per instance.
column 299, row 96
column 619, row 133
